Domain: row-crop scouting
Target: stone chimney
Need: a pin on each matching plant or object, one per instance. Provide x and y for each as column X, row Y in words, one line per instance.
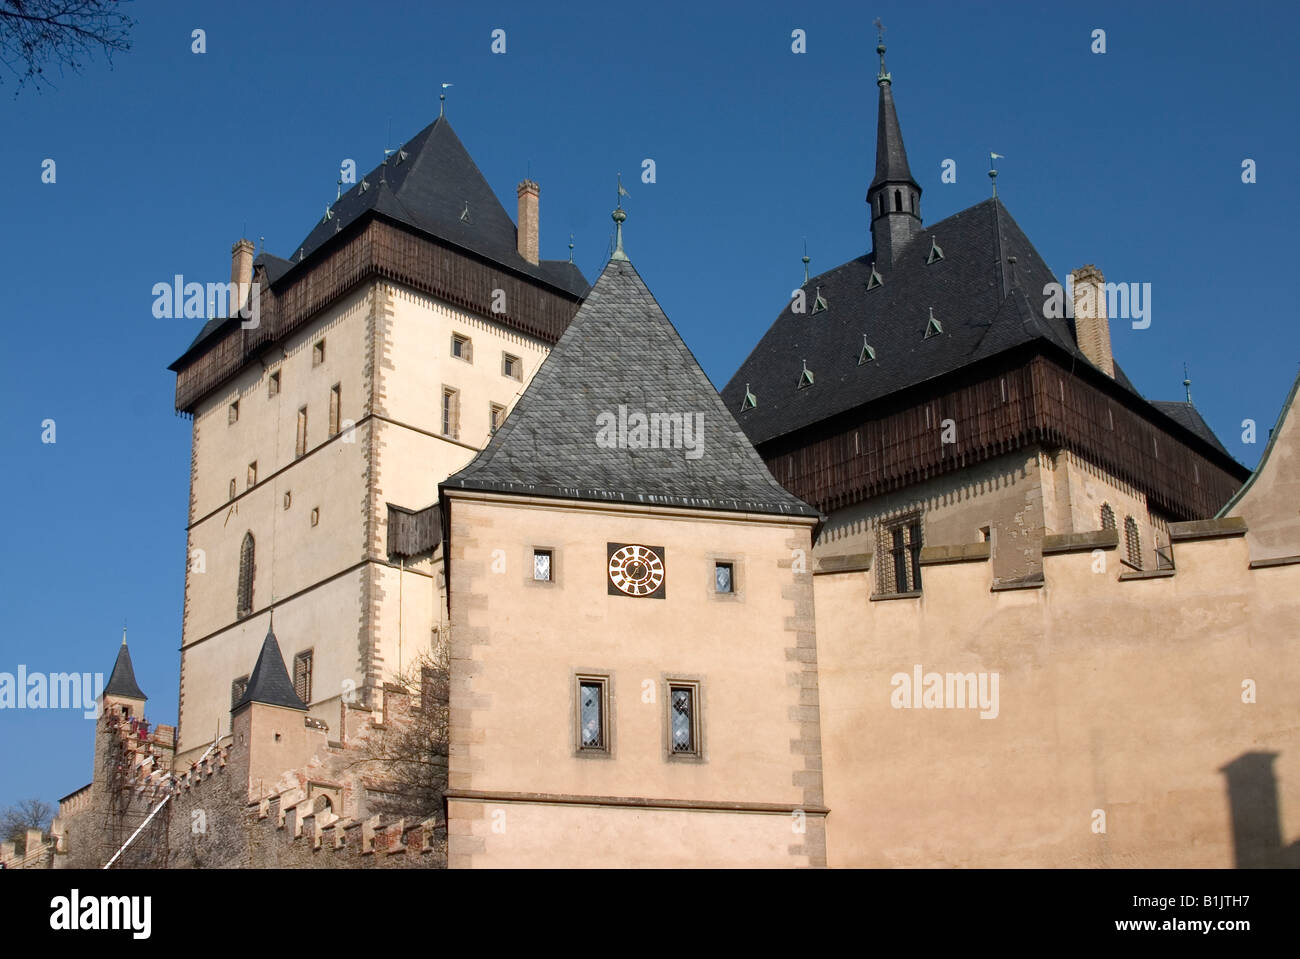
column 241, row 273
column 1091, row 326
column 527, row 233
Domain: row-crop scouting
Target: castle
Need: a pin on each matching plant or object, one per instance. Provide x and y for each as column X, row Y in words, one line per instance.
column 928, row 583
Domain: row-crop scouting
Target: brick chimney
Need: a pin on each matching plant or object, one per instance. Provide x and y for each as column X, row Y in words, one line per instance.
column 241, row 272
column 1091, row 326
column 527, row 232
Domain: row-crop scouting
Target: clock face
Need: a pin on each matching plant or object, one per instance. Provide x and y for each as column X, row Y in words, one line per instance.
column 636, row 570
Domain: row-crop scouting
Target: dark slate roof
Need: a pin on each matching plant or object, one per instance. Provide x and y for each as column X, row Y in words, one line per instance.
column 984, row 310
column 891, row 157
column 269, row 682
column 122, row 681
column 621, row 350
column 426, row 184
column 1187, row 416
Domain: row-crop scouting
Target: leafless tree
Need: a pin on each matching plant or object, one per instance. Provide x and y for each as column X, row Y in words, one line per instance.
column 407, row 759
column 37, row 33
column 23, row 815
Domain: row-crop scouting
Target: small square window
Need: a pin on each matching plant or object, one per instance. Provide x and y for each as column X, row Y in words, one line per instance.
column 232, row 415
column 252, row 473
column 512, row 367
column 273, row 384
column 542, row 565
column 462, row 348
column 497, row 416
column 318, row 353
column 723, row 580
column 315, row 515
column 683, row 719
column 593, row 709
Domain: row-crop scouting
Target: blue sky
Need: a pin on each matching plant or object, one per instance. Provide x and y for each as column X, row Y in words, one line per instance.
column 1129, row 159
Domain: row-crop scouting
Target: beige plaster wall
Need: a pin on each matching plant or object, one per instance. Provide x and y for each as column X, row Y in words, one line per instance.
column 517, row 646
column 1119, row 696
column 520, row 835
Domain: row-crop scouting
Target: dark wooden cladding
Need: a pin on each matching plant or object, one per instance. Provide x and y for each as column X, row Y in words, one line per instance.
column 1043, row 403
column 412, row 532
column 389, row 251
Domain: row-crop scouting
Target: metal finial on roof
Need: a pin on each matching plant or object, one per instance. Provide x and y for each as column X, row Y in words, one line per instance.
column 993, row 174
column 442, row 99
column 123, row 633
column 806, row 259
column 618, row 217
column 884, row 76
column 570, row 247
column 1187, row 384
column 338, row 195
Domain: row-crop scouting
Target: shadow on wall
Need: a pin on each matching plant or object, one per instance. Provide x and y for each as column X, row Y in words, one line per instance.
column 1256, row 817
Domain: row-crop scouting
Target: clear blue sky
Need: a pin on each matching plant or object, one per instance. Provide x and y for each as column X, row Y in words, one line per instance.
column 1129, row 159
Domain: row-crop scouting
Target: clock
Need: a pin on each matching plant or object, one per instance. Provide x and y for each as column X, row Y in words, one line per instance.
column 636, row 570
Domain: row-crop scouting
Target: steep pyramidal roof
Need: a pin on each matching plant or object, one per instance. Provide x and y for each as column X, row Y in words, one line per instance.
column 122, row 681
column 269, row 682
column 574, row 432
column 432, row 184
column 891, row 156
column 1189, row 417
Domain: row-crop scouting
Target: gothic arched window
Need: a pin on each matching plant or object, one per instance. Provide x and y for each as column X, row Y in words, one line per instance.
column 1132, row 542
column 244, row 599
column 1107, row 516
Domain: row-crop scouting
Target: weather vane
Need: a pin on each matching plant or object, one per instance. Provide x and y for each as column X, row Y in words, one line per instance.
column 621, row 193
column 442, row 98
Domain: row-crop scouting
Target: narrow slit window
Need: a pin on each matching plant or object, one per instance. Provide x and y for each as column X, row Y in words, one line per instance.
column 273, row 384
column 252, row 474
column 318, row 353
column 300, row 443
column 683, row 719
column 232, row 415
column 592, row 710
column 450, row 413
column 302, row 675
column 336, row 401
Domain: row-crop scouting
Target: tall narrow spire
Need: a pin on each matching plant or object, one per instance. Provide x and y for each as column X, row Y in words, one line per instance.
column 894, row 196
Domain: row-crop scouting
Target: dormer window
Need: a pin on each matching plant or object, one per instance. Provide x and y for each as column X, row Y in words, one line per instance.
column 933, row 327
column 867, row 354
column 935, row 254
column 806, row 377
column 819, row 302
column 874, row 280
column 750, row 400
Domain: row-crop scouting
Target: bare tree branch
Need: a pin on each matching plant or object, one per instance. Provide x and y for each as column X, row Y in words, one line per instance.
column 65, row 33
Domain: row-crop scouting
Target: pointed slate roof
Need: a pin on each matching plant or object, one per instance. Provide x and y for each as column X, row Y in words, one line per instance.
column 620, row 356
column 428, row 184
column 982, row 308
column 891, row 157
column 269, row 682
column 122, row 681
column 1189, row 418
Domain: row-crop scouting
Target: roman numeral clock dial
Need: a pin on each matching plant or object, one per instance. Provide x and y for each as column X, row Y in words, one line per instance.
column 636, row 570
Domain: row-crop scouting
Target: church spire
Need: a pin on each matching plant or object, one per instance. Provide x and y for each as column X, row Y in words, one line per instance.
column 894, row 196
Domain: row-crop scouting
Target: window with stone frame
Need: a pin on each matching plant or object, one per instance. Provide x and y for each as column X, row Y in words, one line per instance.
column 1107, row 516
column 1132, row 541
column 898, row 555
column 244, row 597
column 336, row 403
column 237, row 689
column 302, row 675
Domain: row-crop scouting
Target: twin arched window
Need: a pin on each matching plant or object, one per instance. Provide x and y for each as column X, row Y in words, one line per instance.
column 244, row 597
